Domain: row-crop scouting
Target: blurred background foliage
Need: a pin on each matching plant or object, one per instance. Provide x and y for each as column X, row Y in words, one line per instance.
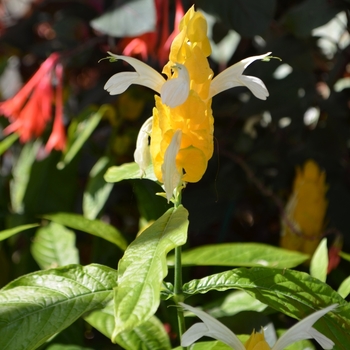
column 258, row 144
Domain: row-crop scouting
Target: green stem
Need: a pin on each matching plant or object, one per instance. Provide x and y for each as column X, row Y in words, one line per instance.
column 178, row 290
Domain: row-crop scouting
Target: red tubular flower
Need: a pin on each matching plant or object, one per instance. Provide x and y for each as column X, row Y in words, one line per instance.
column 30, row 109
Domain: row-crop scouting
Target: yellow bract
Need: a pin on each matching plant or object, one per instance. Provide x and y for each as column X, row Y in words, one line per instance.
column 306, row 209
column 194, row 117
column 257, row 342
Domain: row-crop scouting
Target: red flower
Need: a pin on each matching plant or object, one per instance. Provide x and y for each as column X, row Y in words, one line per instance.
column 30, row 109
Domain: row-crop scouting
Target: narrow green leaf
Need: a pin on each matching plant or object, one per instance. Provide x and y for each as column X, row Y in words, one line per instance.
column 143, row 268
column 7, row 142
column 83, row 131
column 293, row 293
column 34, row 307
column 128, row 171
column 345, row 256
column 242, row 254
column 94, row 227
column 54, row 246
column 97, row 190
column 21, row 174
column 344, row 288
column 12, row 231
column 319, row 261
column 149, row 335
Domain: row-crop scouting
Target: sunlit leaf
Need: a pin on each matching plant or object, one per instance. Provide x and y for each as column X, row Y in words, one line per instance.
column 149, row 335
column 319, row 261
column 12, row 231
column 128, row 171
column 66, row 347
column 34, row 307
column 130, row 19
column 143, row 268
column 97, row 190
column 345, row 256
column 291, row 292
column 21, row 174
column 344, row 288
column 94, row 227
column 54, row 246
column 242, row 254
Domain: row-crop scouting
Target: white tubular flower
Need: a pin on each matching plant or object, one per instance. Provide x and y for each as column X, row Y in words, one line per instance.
column 232, row 77
column 214, row 329
column 144, row 75
column 175, row 91
column 142, row 155
column 171, row 175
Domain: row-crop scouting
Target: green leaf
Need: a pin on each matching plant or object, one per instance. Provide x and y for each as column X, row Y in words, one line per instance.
column 293, row 293
column 234, row 303
column 248, row 17
column 208, row 345
column 66, row 347
column 242, row 254
column 345, row 256
column 34, row 307
column 344, row 288
column 319, row 261
column 307, row 15
column 54, row 246
column 130, row 19
column 97, row 190
column 128, row 171
column 94, row 227
column 149, row 335
column 21, row 174
column 143, row 267
column 83, row 131
column 13, row 231
column 7, row 142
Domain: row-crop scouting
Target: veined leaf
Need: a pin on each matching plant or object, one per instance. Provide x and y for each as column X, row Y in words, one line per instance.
column 319, row 261
column 293, row 293
column 34, row 307
column 12, row 231
column 149, row 335
column 143, row 268
column 94, row 227
column 128, row 171
column 242, row 254
column 54, row 246
column 97, row 190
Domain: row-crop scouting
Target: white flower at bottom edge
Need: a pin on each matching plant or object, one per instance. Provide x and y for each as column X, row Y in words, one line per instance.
column 212, row 328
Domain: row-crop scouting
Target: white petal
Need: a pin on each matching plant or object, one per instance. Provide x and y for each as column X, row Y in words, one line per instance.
column 256, row 86
column 325, row 342
column 144, row 75
column 175, row 91
column 232, row 77
column 142, row 153
column 303, row 330
column 171, row 176
column 215, row 329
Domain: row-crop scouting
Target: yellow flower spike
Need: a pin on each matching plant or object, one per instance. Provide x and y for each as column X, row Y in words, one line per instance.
column 185, row 100
column 306, row 209
column 257, row 342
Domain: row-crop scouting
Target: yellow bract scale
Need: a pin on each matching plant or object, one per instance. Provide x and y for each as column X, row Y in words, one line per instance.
column 194, row 117
column 257, row 342
column 306, row 209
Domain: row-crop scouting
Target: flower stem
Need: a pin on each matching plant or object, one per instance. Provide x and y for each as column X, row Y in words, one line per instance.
column 178, row 290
